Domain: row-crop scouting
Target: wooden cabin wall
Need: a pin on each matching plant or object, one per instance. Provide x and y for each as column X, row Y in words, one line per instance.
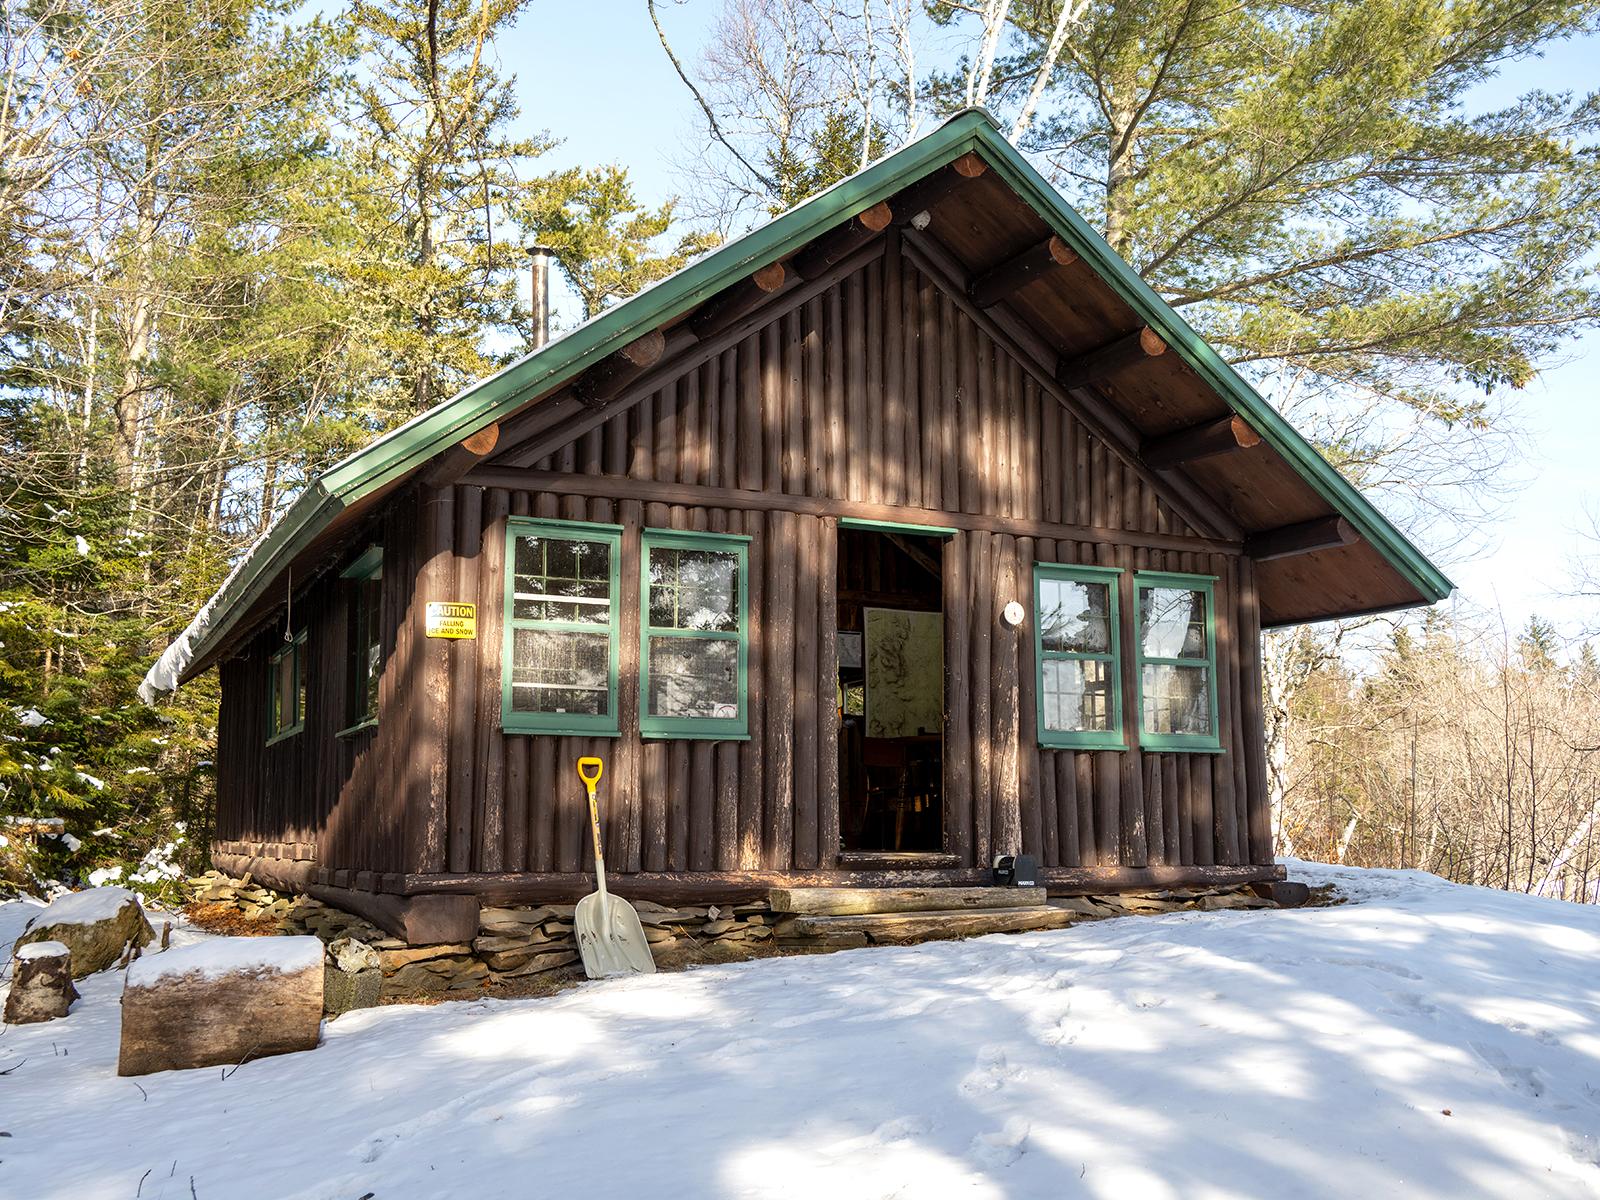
column 881, row 393
column 883, row 390
column 315, row 795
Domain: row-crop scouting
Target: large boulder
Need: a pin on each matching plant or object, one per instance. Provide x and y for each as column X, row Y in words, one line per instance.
column 223, row 1000
column 41, row 984
column 94, row 925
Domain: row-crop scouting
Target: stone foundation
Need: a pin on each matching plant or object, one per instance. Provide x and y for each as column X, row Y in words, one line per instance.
column 512, row 943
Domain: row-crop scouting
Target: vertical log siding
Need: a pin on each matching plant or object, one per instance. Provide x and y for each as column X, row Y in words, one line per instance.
column 879, row 390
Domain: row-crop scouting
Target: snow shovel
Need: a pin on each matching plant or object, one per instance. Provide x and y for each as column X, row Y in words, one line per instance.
column 610, row 938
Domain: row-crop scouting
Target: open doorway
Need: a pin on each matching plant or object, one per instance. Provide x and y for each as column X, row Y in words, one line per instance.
column 891, row 691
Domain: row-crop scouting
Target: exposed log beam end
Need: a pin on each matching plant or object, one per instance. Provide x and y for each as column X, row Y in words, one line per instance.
column 877, row 218
column 840, row 243
column 969, row 165
column 455, row 462
column 1222, row 436
column 1107, row 360
column 1036, row 261
column 741, row 298
column 1307, row 537
column 607, row 378
column 482, row 442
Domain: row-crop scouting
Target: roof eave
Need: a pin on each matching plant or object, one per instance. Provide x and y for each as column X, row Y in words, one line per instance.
column 414, row 443
column 1394, row 546
column 403, row 450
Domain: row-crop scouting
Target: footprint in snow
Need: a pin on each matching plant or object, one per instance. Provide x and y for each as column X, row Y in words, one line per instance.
column 990, row 1072
column 1003, row 1147
column 1525, row 1080
column 799, row 1019
column 1063, row 1033
column 1411, row 1003
column 900, row 1129
column 1373, row 964
column 1543, row 1036
column 1583, row 1145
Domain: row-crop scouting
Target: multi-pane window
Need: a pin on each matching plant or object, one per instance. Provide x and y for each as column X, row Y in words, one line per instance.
column 561, row 627
column 364, row 579
column 693, row 635
column 1077, row 642
column 1177, row 662
column 286, row 688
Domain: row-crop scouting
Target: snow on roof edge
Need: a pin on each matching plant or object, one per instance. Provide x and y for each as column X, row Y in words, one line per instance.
column 167, row 671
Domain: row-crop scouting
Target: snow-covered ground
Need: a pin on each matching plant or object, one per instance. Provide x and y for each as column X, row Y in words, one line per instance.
column 1427, row 1040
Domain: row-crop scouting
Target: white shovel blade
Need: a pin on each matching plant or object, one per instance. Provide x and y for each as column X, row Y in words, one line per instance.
column 610, row 938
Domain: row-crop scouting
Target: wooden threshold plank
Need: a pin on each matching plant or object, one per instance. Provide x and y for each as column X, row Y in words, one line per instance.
column 919, row 926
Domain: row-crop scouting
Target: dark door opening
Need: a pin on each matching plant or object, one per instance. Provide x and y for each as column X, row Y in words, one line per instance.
column 891, row 691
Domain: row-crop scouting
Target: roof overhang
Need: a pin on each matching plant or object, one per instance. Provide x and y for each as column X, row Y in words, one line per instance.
column 310, row 528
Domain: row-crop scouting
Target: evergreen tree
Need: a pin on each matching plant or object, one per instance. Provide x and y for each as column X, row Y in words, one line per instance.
column 604, row 239
column 432, row 129
column 804, row 166
column 1538, row 646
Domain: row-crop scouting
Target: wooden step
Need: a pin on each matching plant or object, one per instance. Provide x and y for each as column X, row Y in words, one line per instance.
column 827, row 901
column 922, row 926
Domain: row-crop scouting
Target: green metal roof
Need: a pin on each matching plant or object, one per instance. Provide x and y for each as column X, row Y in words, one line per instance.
column 414, row 443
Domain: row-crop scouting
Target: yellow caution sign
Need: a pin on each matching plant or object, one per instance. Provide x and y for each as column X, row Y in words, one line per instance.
column 446, row 620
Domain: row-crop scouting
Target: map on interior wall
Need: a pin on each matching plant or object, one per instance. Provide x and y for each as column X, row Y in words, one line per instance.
column 905, row 672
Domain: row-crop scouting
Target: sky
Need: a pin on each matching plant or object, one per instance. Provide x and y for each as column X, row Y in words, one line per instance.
column 594, row 75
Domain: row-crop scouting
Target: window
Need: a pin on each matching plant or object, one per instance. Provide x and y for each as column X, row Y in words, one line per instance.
column 560, row 666
column 364, row 578
column 694, row 635
column 286, row 683
column 1077, row 644
column 1177, row 662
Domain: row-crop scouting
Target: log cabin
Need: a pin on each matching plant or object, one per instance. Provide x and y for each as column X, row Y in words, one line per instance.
column 908, row 530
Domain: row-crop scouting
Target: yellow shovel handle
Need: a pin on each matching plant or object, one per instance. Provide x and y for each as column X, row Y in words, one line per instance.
column 589, row 770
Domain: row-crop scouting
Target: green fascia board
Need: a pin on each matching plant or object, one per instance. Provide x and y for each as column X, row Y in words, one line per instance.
column 502, row 393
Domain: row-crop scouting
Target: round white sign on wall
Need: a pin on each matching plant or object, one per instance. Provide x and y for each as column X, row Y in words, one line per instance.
column 1013, row 614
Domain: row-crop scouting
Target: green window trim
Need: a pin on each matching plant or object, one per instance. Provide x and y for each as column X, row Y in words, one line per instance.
column 363, row 666
column 572, row 724
column 1079, row 739
column 695, row 728
column 295, row 649
column 871, row 526
column 1194, row 743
